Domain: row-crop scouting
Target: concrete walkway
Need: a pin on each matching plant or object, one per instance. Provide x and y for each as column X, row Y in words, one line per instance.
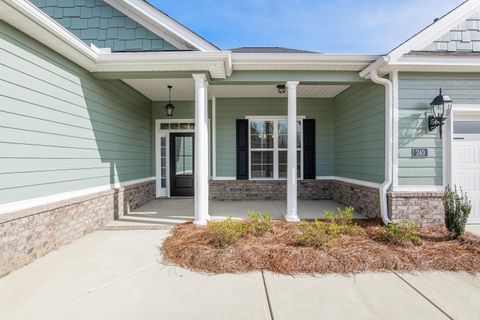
column 118, row 275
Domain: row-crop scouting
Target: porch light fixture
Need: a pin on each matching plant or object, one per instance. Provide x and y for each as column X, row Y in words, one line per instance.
column 441, row 107
column 281, row 88
column 169, row 107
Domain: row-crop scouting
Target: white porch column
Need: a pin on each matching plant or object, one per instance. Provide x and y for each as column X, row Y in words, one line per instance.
column 292, row 215
column 201, row 150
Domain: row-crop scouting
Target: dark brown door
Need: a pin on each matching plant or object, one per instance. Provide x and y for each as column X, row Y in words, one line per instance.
column 181, row 164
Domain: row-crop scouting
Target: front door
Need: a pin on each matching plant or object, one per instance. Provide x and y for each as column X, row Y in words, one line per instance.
column 181, row 164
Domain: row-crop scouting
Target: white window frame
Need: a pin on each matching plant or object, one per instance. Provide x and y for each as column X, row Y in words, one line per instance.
column 275, row 120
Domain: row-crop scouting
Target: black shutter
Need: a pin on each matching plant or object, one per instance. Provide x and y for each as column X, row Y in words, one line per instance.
column 309, row 149
column 242, row 149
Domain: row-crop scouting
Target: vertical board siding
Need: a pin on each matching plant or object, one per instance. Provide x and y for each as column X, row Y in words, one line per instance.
column 416, row 92
column 60, row 129
column 359, row 133
column 96, row 22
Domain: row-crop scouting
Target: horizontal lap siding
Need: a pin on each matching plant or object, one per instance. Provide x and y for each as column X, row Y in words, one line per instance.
column 60, row 129
column 416, row 91
column 229, row 110
column 359, row 133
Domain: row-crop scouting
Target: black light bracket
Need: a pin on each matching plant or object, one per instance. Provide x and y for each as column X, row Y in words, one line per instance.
column 436, row 122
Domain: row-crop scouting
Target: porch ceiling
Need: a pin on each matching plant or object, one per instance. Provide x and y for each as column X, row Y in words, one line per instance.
column 183, row 90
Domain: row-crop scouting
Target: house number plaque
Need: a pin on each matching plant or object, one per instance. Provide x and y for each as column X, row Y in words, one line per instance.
column 419, row 152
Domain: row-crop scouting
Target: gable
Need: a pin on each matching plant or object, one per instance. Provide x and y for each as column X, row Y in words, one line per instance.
column 465, row 37
column 96, row 22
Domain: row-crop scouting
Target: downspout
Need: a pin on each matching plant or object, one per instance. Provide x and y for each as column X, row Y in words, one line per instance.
column 388, row 143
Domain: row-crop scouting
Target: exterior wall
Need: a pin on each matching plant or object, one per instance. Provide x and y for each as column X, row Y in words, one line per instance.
column 365, row 200
column 359, row 133
column 238, row 190
column 416, row 91
column 463, row 38
column 62, row 130
column 425, row 208
column 229, row 110
column 30, row 234
column 94, row 21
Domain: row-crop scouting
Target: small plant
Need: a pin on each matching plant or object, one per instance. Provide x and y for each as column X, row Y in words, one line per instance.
column 228, row 232
column 457, row 209
column 343, row 221
column 260, row 224
column 402, row 233
column 316, row 234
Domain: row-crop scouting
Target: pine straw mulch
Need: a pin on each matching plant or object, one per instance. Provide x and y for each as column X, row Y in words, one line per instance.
column 191, row 248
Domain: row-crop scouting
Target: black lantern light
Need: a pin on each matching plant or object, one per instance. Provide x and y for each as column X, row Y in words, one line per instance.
column 169, row 107
column 441, row 107
column 281, row 88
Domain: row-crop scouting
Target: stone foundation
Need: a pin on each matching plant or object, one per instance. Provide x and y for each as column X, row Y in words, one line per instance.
column 238, row 190
column 425, row 208
column 29, row 234
column 365, row 200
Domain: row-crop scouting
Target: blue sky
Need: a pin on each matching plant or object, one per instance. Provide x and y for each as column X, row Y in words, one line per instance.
column 331, row 26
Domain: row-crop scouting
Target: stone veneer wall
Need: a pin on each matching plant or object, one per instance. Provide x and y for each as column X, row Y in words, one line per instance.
column 425, row 208
column 31, row 233
column 365, row 200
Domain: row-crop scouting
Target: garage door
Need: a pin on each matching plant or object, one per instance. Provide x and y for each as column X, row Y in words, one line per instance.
column 466, row 162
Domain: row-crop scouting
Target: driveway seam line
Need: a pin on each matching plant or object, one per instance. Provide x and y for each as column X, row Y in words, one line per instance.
column 268, row 296
column 424, row 296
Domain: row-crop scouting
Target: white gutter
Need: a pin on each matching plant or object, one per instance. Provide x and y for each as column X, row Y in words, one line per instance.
column 388, row 142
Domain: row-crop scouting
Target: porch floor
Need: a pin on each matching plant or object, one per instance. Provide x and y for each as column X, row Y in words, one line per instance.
column 176, row 211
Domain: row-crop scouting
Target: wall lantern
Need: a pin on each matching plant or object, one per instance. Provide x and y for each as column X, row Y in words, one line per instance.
column 281, row 88
column 441, row 107
column 169, row 107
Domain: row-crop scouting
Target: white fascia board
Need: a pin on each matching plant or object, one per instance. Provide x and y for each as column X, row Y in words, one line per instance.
column 297, row 59
column 434, row 64
column 29, row 19
column 436, row 30
column 162, row 25
column 214, row 62
column 380, row 62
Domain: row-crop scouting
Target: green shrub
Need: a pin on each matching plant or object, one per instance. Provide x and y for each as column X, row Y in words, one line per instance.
column 228, row 232
column 316, row 234
column 260, row 224
column 343, row 221
column 402, row 233
column 457, row 209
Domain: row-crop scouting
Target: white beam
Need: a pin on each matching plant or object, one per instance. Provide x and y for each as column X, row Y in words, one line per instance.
column 292, row 215
column 201, row 150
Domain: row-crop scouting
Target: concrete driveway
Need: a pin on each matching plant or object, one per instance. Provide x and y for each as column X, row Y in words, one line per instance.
column 116, row 274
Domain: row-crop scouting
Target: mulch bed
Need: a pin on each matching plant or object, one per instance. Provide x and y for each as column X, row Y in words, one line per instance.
column 192, row 248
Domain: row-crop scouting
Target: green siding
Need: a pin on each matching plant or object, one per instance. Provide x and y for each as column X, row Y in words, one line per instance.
column 229, row 110
column 416, row 91
column 94, row 21
column 359, row 133
column 62, row 130
column 463, row 38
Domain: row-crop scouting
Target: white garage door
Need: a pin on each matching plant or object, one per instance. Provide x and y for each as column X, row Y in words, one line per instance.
column 466, row 162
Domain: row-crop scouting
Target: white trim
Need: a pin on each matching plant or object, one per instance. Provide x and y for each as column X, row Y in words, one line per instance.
column 418, row 189
column 36, row 202
column 304, row 61
column 272, row 118
column 224, row 178
column 436, row 30
column 352, row 181
column 214, row 137
column 162, row 25
column 395, row 115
